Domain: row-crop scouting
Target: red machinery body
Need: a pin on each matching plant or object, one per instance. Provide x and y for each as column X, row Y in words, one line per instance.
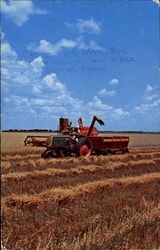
column 114, row 143
column 84, row 131
column 80, row 140
column 103, row 142
column 109, row 142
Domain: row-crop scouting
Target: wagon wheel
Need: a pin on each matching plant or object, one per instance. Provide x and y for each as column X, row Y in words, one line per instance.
column 108, row 152
column 125, row 151
column 84, row 147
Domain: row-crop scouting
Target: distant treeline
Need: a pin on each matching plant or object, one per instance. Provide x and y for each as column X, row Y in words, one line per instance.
column 30, row 130
column 50, row 130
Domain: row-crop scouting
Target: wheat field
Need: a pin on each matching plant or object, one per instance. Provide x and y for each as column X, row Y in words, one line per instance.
column 96, row 202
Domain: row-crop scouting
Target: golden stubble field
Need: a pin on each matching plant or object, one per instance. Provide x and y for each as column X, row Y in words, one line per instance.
column 97, row 202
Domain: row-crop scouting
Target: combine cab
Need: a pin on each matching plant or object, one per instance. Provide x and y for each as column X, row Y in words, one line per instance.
column 82, row 141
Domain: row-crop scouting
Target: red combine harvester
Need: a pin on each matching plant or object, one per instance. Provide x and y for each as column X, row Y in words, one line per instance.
column 79, row 141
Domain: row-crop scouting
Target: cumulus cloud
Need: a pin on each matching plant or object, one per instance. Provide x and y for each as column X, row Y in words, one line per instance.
column 2, row 35
column 151, row 97
column 53, row 83
column 54, row 110
column 149, row 87
column 150, row 93
column 19, row 11
column 36, row 89
column 16, row 72
column 7, row 51
column 143, row 108
column 87, row 25
column 106, row 92
column 92, row 45
column 121, row 112
column 52, row 49
column 37, row 64
column 114, row 81
column 97, row 103
column 27, row 90
column 98, row 107
column 20, row 104
column 47, row 47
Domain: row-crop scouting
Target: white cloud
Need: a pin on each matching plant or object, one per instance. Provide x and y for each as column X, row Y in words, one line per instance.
column 2, row 35
column 37, row 64
column 19, row 73
column 54, row 110
column 62, row 100
column 44, row 47
column 38, row 101
column 20, row 104
column 47, row 47
column 97, row 103
column 114, row 81
column 36, row 89
column 32, row 91
column 5, row 72
column 97, row 107
column 64, row 43
column 150, row 93
column 88, row 25
column 151, row 97
column 147, row 107
column 106, row 92
column 6, row 51
column 52, row 49
column 92, row 45
column 19, row 11
column 52, row 82
column 27, row 91
column 120, row 112
column 149, row 87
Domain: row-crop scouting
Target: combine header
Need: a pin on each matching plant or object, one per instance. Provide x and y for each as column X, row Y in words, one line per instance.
column 78, row 141
column 36, row 141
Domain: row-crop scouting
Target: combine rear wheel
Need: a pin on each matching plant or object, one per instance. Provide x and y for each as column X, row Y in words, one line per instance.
column 84, row 147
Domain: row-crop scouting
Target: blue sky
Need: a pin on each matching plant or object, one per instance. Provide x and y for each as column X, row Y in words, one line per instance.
column 79, row 59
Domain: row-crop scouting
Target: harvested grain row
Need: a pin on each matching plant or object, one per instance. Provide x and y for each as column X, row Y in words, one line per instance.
column 37, row 181
column 22, row 176
column 60, row 194
column 66, row 163
column 98, row 185
column 101, row 236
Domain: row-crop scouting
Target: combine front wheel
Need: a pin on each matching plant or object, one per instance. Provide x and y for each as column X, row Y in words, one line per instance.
column 84, row 147
column 47, row 154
